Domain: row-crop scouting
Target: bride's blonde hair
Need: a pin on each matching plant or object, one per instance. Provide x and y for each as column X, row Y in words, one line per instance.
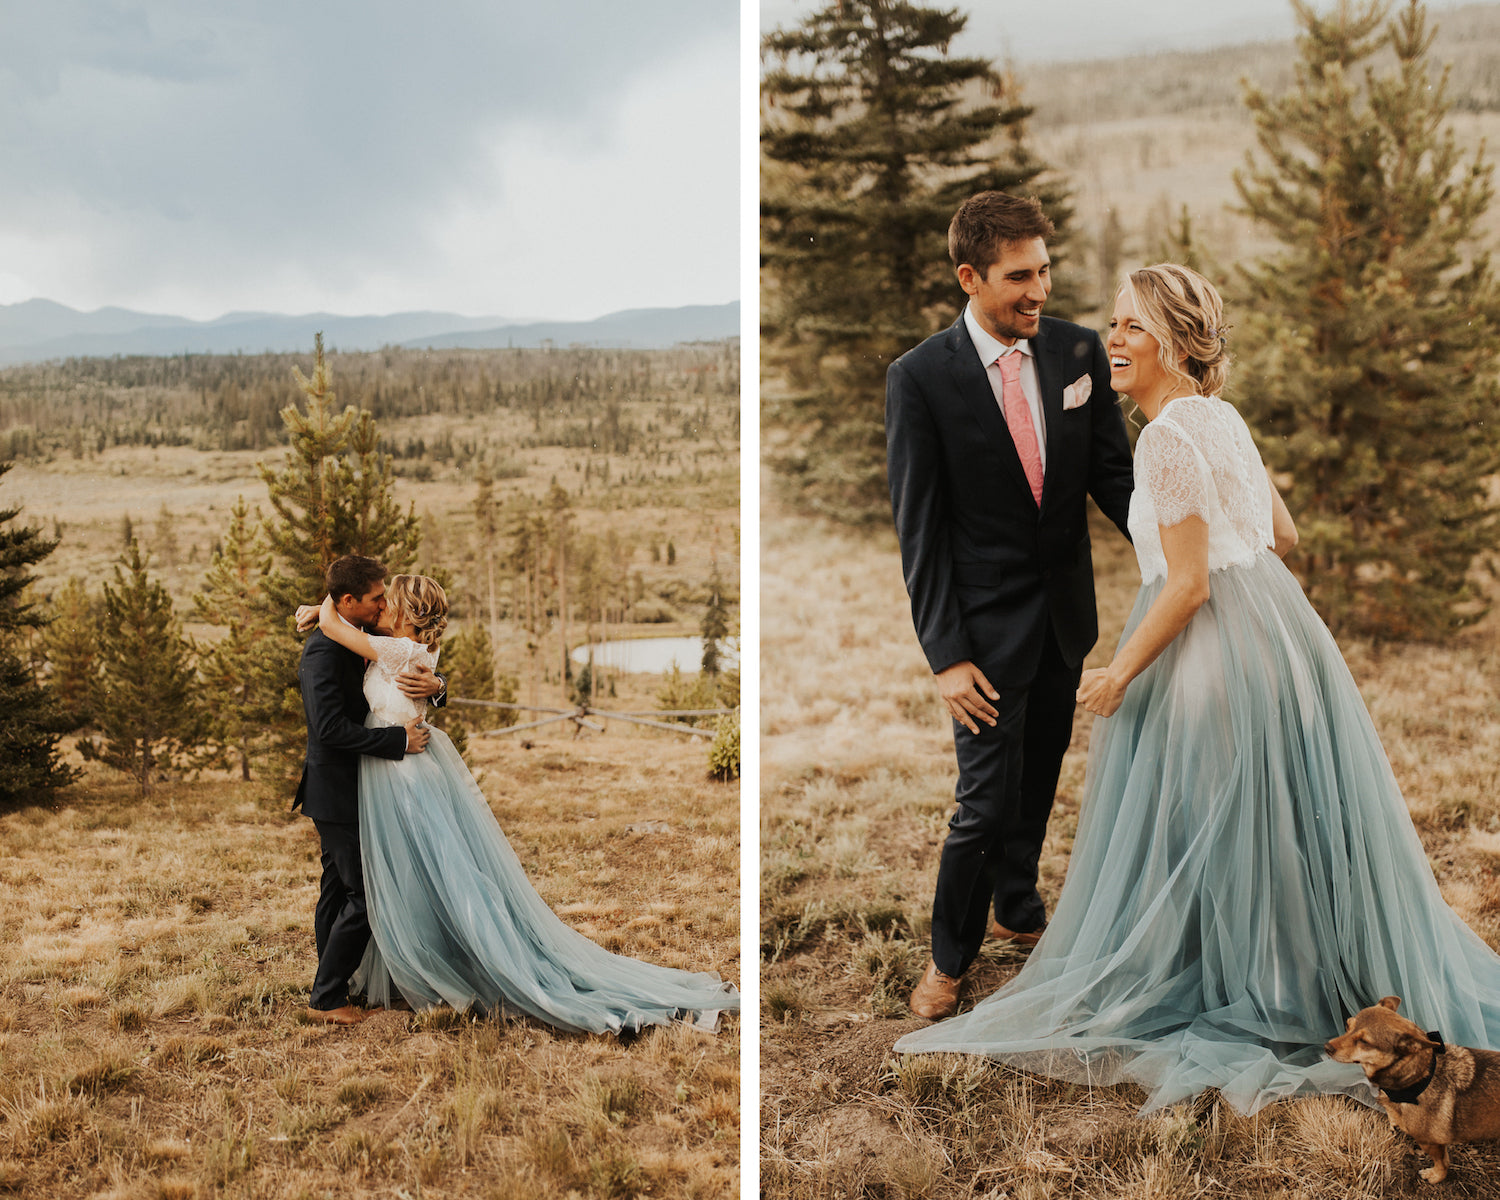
column 422, row 601
column 1183, row 312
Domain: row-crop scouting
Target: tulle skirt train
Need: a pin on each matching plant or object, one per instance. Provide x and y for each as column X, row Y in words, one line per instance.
column 1244, row 877
column 455, row 921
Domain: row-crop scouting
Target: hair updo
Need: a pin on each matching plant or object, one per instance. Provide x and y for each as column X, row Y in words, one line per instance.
column 421, row 601
column 1183, row 312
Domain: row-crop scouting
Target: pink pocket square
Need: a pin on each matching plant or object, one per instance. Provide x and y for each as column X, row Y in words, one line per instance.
column 1077, row 393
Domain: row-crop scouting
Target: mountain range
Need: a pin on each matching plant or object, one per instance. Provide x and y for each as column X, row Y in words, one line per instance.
column 42, row 330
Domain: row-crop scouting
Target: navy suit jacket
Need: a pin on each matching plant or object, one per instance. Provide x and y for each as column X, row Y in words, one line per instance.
column 333, row 697
column 986, row 568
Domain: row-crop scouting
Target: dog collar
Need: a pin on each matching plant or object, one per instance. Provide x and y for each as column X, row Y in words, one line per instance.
column 1408, row 1095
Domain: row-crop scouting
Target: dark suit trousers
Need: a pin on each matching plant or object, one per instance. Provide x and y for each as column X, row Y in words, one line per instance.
column 339, row 921
column 1007, row 778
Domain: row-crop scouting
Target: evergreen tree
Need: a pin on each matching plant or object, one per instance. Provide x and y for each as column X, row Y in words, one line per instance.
column 873, row 138
column 249, row 676
column 69, row 645
column 31, row 768
column 1370, row 353
column 332, row 497
column 146, row 703
column 715, row 626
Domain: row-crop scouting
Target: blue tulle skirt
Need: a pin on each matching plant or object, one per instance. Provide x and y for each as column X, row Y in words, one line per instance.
column 1245, row 876
column 456, row 922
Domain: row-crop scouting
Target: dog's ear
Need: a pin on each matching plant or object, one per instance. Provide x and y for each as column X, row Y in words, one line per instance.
column 1410, row 1043
column 1391, row 1002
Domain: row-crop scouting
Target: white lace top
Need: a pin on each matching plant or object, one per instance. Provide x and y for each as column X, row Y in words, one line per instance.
column 387, row 703
column 1197, row 459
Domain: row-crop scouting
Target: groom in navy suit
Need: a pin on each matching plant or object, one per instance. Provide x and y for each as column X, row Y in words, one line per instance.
column 997, row 430
column 332, row 680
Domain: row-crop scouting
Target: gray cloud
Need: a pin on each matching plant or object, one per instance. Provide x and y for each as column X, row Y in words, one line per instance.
column 306, row 145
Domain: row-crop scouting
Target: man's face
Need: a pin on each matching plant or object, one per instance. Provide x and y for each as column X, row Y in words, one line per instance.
column 1008, row 297
column 364, row 612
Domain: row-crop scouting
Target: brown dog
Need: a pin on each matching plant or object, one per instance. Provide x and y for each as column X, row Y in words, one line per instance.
column 1438, row 1094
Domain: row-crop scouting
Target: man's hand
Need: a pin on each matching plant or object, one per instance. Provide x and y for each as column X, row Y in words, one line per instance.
column 963, row 688
column 307, row 617
column 419, row 683
column 1100, row 693
column 417, row 736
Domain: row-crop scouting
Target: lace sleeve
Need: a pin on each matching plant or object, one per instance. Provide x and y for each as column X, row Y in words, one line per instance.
column 1172, row 474
column 393, row 654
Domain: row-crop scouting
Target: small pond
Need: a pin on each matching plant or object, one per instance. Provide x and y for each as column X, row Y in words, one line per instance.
column 655, row 655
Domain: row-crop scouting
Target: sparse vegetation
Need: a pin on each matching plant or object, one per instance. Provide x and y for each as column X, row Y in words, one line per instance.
column 157, row 959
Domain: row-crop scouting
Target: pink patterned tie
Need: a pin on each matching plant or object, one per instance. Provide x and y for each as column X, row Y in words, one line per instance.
column 1018, row 417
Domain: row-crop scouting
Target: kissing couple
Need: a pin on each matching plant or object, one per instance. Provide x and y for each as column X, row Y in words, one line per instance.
column 423, row 901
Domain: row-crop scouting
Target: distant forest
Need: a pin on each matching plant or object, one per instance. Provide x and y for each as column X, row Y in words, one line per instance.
column 583, row 398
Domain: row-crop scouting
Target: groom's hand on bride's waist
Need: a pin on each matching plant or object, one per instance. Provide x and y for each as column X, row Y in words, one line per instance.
column 417, row 736
column 963, row 688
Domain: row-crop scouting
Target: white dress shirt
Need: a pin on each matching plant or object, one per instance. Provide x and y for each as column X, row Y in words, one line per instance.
column 990, row 348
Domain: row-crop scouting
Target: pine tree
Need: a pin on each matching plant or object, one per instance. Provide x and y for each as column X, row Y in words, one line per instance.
column 872, row 140
column 249, row 676
column 715, row 625
column 146, row 702
column 69, row 645
column 1370, row 352
column 332, row 497
column 31, row 768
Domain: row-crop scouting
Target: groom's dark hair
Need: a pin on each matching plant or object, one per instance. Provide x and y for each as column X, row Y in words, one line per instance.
column 985, row 223
column 353, row 575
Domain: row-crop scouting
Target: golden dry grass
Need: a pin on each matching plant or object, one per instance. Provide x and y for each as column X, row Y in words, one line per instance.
column 856, row 789
column 156, row 960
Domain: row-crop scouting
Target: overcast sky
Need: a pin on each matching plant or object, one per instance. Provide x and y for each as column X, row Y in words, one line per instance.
column 1062, row 30
column 518, row 158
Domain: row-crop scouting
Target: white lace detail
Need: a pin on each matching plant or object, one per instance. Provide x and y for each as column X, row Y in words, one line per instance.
column 387, row 703
column 1197, row 459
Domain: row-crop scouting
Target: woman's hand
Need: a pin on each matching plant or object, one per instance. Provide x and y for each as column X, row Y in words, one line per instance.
column 1101, row 693
column 307, row 617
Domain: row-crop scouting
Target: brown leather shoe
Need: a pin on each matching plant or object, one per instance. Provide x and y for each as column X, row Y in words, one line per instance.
column 347, row 1015
column 1030, row 938
column 936, row 995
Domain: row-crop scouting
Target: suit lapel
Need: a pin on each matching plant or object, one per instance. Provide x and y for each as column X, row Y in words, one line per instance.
column 973, row 384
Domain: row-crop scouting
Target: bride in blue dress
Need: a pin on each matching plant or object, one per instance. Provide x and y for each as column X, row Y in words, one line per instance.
column 453, row 917
column 1245, row 874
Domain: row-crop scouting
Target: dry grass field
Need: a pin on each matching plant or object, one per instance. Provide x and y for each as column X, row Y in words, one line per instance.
column 856, row 789
column 157, row 957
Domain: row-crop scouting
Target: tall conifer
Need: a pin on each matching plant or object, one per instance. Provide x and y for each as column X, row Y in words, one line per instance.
column 146, row 702
column 31, row 766
column 332, row 496
column 1368, row 355
column 872, row 138
column 249, row 676
column 70, row 645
